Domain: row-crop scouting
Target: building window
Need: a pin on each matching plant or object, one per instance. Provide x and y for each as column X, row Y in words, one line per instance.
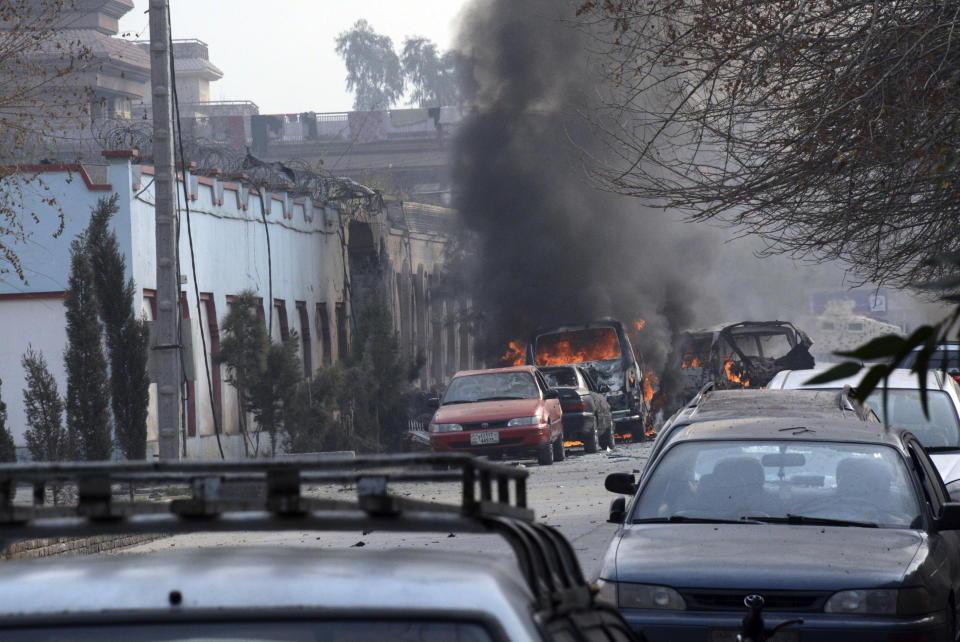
column 305, row 338
column 149, row 309
column 280, row 312
column 343, row 341
column 213, row 349
column 323, row 322
column 191, row 385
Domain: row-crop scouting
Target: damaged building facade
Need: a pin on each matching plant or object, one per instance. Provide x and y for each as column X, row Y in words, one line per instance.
column 315, row 265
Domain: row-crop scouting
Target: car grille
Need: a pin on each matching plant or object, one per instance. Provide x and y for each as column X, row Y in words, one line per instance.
column 509, row 441
column 706, row 600
column 490, row 425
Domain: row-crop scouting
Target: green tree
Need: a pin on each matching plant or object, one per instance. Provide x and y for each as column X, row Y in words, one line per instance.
column 127, row 336
column 266, row 375
column 433, row 78
column 8, row 452
column 46, row 438
column 88, row 391
column 373, row 67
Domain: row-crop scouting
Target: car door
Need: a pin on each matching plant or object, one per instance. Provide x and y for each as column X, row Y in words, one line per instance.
column 554, row 412
column 600, row 405
column 944, row 545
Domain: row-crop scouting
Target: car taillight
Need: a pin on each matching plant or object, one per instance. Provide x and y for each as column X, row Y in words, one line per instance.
column 573, row 406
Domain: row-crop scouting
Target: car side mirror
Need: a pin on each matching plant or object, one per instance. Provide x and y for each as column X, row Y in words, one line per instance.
column 622, row 483
column 551, row 393
column 433, row 403
column 949, row 519
column 618, row 510
column 603, row 388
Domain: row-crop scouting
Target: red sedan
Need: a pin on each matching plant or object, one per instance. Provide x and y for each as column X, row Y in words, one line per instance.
column 500, row 411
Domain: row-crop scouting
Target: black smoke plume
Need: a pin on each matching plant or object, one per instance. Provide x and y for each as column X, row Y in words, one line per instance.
column 550, row 248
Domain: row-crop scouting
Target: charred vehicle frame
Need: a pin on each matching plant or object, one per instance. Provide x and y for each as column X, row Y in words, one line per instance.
column 622, row 374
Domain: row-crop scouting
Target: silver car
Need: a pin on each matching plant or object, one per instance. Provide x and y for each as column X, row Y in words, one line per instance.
column 288, row 594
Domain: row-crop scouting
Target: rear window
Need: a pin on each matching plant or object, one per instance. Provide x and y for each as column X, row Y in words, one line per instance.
column 577, row 346
column 940, row 360
column 492, row 386
column 904, row 408
column 564, row 378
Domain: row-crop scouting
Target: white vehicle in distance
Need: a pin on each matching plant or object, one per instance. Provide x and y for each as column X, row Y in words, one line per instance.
column 938, row 432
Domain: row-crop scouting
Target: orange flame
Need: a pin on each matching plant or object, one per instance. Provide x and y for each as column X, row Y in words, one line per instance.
column 577, row 346
column 651, row 383
column 690, row 361
column 571, row 444
column 640, row 324
column 514, row 356
column 735, row 373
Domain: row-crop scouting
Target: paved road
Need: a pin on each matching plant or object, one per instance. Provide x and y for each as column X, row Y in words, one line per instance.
column 568, row 495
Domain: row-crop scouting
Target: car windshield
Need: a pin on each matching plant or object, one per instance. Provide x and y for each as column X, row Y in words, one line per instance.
column 561, row 378
column 940, row 428
column 780, row 481
column 492, row 386
column 577, row 346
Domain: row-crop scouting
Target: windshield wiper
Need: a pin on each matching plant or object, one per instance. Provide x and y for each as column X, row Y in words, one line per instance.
column 450, row 403
column 498, row 398
column 805, row 519
column 685, row 519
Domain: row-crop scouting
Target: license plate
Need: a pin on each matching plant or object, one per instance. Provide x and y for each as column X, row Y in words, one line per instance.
column 482, row 438
column 730, row 635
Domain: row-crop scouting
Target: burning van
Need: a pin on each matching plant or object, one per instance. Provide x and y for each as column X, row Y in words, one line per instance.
column 604, row 350
column 742, row 355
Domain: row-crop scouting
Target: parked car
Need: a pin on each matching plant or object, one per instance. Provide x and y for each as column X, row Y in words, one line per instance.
column 714, row 405
column 846, row 525
column 938, row 431
column 586, row 413
column 502, row 411
column 604, row 350
column 945, row 358
column 261, row 594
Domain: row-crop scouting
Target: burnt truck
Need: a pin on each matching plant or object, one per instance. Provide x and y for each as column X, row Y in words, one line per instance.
column 603, row 349
column 742, row 355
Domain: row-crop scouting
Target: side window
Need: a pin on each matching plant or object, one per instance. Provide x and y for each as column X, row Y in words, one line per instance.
column 933, row 488
column 587, row 380
column 541, row 382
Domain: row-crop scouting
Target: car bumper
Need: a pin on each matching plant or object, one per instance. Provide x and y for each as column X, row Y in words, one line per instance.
column 686, row 626
column 624, row 415
column 578, row 424
column 521, row 439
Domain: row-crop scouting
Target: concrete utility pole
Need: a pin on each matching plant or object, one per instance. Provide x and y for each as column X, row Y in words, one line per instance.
column 166, row 347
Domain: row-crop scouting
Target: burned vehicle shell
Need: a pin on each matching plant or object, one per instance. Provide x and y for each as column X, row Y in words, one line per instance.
column 603, row 349
column 741, row 355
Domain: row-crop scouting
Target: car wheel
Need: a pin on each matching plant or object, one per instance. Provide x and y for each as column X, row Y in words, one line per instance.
column 590, row 442
column 559, row 452
column 545, row 454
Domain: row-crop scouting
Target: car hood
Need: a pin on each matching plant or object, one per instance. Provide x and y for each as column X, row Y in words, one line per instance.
column 486, row 411
column 766, row 556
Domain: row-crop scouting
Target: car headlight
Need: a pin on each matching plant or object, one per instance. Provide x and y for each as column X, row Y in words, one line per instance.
column 606, row 591
column 912, row 601
column 524, row 421
column 647, row 596
column 445, row 427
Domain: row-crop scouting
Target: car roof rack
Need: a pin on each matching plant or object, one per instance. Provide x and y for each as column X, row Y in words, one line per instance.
column 488, row 504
